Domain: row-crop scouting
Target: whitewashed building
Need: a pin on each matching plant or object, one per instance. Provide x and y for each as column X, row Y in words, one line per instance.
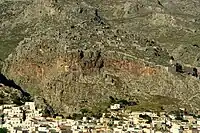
column 115, row 106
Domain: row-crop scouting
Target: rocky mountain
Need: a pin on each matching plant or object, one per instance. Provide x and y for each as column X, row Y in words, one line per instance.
column 79, row 54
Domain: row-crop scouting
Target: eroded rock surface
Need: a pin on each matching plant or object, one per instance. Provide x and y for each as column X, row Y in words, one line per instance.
column 76, row 54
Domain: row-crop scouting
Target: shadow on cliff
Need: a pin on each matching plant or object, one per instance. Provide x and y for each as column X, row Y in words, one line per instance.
column 26, row 97
column 11, row 83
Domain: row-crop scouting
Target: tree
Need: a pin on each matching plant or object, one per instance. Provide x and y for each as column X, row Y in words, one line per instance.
column 123, row 102
column 2, row 119
column 97, row 115
column 84, row 111
column 3, row 130
column 76, row 116
column 112, row 99
column 24, row 115
column 17, row 100
column 179, row 67
column 145, row 117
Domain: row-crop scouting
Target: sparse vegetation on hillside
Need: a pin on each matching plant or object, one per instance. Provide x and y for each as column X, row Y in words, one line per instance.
column 78, row 54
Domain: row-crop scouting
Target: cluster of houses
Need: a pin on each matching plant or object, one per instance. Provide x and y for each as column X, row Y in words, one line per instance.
column 28, row 119
column 120, row 121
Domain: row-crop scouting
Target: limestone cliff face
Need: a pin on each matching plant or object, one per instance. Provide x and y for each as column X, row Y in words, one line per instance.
column 72, row 77
column 78, row 54
column 78, row 79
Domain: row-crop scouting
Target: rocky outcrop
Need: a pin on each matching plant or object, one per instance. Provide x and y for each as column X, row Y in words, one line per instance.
column 77, row 54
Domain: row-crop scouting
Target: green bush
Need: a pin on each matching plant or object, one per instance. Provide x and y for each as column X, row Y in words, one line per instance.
column 84, row 111
column 3, row 130
column 76, row 116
